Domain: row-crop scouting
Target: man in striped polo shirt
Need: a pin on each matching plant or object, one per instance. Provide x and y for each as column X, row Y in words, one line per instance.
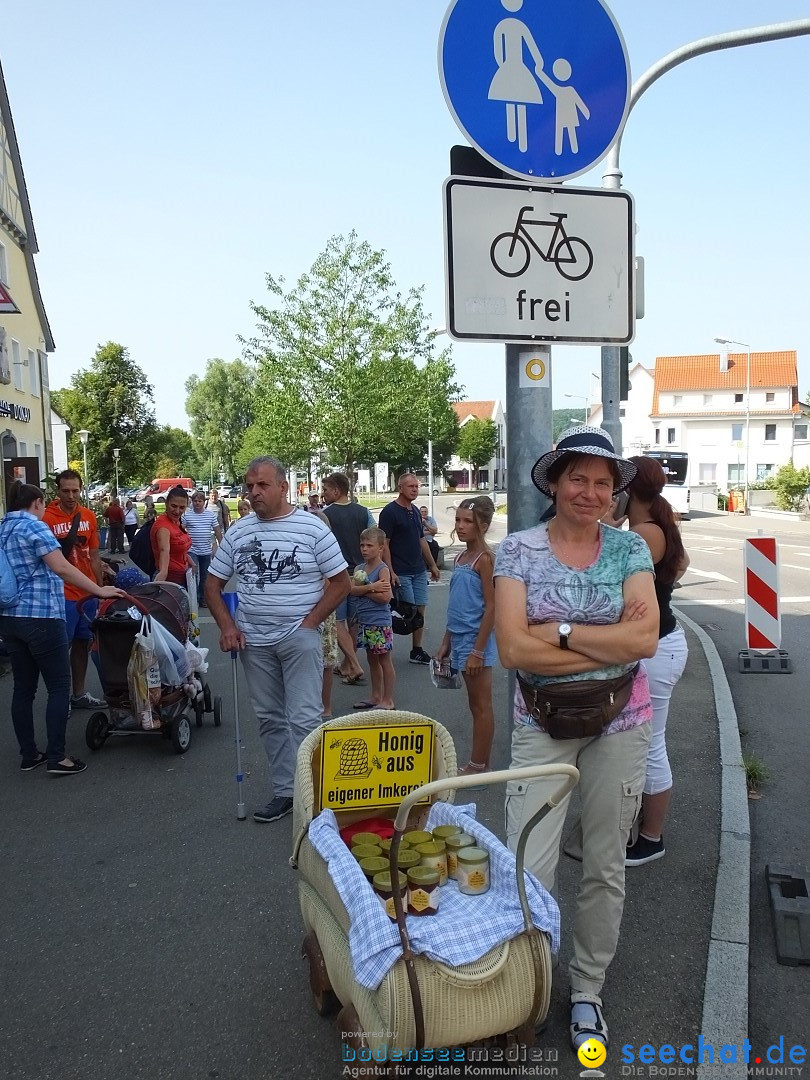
column 290, row 575
column 201, row 525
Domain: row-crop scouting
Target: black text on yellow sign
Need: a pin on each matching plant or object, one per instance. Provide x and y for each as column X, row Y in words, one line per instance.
column 374, row 766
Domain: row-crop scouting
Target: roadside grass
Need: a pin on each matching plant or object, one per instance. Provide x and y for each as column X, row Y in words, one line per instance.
column 757, row 773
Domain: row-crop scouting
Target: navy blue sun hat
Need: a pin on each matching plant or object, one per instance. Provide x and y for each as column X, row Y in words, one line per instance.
column 582, row 439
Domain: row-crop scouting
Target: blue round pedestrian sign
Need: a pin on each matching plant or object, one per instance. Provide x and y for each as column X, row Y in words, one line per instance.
column 541, row 89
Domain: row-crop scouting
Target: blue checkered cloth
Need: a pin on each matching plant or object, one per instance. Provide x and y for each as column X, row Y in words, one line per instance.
column 25, row 540
column 465, row 928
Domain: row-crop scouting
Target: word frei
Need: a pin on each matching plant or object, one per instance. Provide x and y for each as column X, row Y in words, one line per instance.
column 551, row 310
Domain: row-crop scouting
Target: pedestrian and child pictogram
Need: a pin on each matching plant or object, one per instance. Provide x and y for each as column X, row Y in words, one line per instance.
column 541, row 89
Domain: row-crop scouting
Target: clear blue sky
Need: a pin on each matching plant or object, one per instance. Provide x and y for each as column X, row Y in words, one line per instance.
column 175, row 153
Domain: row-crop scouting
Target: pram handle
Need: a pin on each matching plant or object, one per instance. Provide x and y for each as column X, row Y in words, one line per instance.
column 132, row 599
column 528, row 772
column 570, row 778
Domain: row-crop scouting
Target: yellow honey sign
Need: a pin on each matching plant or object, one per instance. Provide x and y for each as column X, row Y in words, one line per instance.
column 374, row 766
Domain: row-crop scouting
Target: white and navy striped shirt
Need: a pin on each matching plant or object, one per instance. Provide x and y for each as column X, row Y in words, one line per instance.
column 200, row 527
column 280, row 566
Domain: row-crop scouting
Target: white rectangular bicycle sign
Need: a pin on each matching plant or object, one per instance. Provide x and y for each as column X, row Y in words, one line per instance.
column 531, row 263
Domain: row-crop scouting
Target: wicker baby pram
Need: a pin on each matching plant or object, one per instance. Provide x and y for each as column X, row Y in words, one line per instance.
column 420, row 1002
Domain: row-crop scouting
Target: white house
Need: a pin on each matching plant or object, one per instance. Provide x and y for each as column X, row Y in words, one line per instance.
column 699, row 404
column 494, row 474
column 59, row 430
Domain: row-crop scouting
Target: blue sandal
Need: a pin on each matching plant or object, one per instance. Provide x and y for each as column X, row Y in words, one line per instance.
column 587, row 1027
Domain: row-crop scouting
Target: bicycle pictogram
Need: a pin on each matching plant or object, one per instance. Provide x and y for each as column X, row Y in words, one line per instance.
column 511, row 252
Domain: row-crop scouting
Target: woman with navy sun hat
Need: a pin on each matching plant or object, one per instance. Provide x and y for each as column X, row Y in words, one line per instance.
column 574, row 601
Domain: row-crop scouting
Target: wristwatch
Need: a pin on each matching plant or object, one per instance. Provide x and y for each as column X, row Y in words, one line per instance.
column 565, row 630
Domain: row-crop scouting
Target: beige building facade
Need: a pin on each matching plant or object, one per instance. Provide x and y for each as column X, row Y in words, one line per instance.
column 25, row 335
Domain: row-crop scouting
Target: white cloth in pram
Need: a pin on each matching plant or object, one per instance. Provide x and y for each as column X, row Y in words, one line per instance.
column 471, row 926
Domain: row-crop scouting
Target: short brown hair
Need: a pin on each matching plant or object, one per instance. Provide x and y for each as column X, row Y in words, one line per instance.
column 339, row 481
column 374, row 534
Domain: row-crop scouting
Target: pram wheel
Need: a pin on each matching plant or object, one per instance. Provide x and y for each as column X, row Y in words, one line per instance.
column 217, row 711
column 325, row 1000
column 180, row 734
column 97, row 730
column 207, row 697
column 199, row 709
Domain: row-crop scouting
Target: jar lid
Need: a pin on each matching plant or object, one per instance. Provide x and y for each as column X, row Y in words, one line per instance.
column 430, row 850
column 365, row 838
column 418, row 836
column 423, row 875
column 441, row 832
column 366, row 851
column 408, row 857
column 460, row 840
column 385, row 844
column 383, row 881
column 374, row 864
column 472, row 855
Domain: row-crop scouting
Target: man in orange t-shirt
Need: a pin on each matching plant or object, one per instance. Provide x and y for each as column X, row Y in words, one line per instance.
column 82, row 549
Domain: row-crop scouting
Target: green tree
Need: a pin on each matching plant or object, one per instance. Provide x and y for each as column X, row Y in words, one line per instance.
column 791, row 486
column 565, row 418
column 113, row 400
column 220, row 406
column 346, row 371
column 174, row 449
column 477, row 443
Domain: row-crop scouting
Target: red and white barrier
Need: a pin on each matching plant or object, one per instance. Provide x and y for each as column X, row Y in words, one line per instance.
column 763, row 619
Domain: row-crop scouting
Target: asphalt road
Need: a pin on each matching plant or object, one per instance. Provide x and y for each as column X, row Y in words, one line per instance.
column 772, row 714
column 152, row 936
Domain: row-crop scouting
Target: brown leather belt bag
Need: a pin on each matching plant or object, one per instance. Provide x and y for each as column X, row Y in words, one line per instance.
column 580, row 709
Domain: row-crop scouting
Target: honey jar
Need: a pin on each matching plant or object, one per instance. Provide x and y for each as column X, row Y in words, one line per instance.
column 408, row 857
column 453, row 844
column 472, row 872
column 373, row 866
column 434, row 856
column 365, row 838
column 366, row 851
column 441, row 832
column 423, row 891
column 384, row 889
column 418, row 836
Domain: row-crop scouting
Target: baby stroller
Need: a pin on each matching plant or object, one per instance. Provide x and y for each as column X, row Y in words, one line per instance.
column 115, row 629
column 417, row 1001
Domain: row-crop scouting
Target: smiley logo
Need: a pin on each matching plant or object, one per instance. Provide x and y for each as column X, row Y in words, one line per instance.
column 592, row 1054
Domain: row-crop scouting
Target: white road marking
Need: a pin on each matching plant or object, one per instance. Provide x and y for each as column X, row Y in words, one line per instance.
column 714, row 602
column 792, row 566
column 714, row 574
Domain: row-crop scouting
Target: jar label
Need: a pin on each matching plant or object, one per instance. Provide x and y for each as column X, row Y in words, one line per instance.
column 389, row 908
column 452, row 863
column 477, row 879
column 419, row 899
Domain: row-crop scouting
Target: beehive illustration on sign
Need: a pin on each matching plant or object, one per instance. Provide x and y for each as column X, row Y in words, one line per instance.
column 353, row 760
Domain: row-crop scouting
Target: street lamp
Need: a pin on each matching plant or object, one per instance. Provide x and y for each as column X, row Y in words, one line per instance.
column 84, row 435
column 116, row 455
column 742, row 344
column 586, row 399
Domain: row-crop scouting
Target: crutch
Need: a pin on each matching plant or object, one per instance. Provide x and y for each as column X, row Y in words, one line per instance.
column 232, row 602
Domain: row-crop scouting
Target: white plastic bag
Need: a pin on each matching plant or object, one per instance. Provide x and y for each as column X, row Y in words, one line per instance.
column 143, row 677
column 175, row 666
column 197, row 657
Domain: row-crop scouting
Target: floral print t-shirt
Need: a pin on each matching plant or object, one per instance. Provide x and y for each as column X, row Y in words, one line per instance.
column 592, row 595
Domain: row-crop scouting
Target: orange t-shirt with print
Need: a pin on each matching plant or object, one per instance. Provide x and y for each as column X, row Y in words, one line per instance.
column 86, row 541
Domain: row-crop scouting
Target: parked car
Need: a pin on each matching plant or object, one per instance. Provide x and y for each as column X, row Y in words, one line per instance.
column 227, row 491
column 424, row 489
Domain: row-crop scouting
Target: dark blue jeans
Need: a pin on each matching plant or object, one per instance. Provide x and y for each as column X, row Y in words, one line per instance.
column 203, row 562
column 38, row 647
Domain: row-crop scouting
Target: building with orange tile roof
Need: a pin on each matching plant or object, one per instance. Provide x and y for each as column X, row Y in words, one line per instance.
column 494, row 475
column 702, row 405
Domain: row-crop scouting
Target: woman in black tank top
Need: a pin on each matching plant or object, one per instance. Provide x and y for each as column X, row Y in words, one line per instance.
column 651, row 516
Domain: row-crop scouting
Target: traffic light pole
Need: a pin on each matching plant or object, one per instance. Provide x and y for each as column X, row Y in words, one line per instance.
column 612, row 176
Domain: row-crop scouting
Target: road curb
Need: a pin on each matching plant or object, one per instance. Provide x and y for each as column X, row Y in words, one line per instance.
column 725, row 992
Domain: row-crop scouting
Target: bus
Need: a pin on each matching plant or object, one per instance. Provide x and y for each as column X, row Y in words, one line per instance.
column 675, row 464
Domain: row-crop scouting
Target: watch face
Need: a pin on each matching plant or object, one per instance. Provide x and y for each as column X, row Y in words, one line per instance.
column 565, row 629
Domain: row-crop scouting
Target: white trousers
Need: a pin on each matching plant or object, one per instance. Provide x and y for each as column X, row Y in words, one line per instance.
column 663, row 671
